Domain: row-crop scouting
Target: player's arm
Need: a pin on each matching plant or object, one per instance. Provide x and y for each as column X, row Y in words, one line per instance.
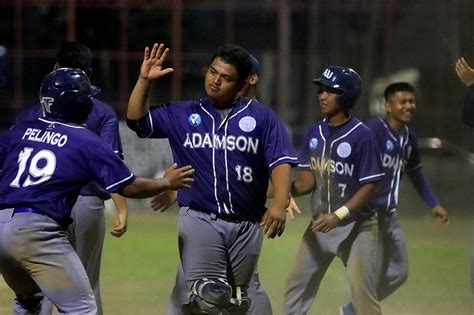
column 328, row 221
column 174, row 178
column 423, row 188
column 120, row 223
column 151, row 69
column 273, row 220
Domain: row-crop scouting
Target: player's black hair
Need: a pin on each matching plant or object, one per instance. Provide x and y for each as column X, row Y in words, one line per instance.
column 398, row 87
column 236, row 56
column 74, row 55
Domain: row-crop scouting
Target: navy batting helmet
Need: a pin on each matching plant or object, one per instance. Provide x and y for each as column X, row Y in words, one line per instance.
column 66, row 93
column 342, row 79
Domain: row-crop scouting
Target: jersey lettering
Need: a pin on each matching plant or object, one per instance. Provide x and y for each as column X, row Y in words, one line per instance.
column 231, row 142
column 45, row 136
column 333, row 167
column 393, row 162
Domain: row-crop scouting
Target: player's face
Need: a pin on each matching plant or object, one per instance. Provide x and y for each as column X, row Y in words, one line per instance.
column 328, row 101
column 222, row 83
column 401, row 106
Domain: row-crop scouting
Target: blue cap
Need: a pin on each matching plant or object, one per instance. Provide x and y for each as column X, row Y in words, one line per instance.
column 255, row 65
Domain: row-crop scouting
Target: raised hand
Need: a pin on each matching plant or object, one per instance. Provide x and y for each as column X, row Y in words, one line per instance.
column 464, row 72
column 179, row 177
column 152, row 65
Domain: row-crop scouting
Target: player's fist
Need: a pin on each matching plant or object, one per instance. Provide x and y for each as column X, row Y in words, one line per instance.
column 179, row 177
column 325, row 223
column 153, row 60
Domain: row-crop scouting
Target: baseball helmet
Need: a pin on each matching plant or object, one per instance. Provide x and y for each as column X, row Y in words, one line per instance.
column 66, row 93
column 342, row 79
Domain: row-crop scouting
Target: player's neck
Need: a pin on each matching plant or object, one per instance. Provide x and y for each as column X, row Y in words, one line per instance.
column 395, row 124
column 338, row 119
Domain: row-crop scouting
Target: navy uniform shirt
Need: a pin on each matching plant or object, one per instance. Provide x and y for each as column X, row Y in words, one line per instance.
column 399, row 154
column 45, row 163
column 103, row 122
column 342, row 161
column 232, row 157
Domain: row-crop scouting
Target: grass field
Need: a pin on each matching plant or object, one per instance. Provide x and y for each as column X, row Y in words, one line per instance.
column 138, row 270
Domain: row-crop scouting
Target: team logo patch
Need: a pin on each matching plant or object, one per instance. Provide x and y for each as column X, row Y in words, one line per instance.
column 313, row 143
column 247, row 123
column 46, row 102
column 194, row 119
column 344, row 150
column 389, row 145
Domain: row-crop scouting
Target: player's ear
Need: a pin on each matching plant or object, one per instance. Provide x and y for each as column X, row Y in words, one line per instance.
column 388, row 109
column 253, row 79
column 56, row 66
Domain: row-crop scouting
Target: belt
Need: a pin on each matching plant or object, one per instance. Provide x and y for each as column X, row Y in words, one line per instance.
column 27, row 210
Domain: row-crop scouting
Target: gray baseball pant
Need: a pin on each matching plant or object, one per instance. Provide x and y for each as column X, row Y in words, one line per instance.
column 86, row 234
column 356, row 245
column 211, row 247
column 36, row 258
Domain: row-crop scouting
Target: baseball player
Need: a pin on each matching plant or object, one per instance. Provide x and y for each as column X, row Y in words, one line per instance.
column 236, row 145
column 340, row 167
column 87, row 231
column 45, row 162
column 465, row 74
column 399, row 155
column 260, row 301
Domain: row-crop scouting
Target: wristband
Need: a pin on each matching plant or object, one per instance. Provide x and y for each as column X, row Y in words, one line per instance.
column 342, row 212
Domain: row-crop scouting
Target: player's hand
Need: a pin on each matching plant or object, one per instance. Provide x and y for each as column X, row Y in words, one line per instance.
column 120, row 225
column 292, row 208
column 441, row 215
column 164, row 200
column 153, row 60
column 273, row 221
column 464, row 72
column 325, row 223
column 179, row 177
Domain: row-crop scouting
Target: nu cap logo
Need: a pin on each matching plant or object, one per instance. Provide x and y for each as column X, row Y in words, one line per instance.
column 328, row 74
column 46, row 102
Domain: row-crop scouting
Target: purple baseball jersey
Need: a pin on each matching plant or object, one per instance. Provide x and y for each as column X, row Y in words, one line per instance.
column 341, row 160
column 45, row 163
column 103, row 122
column 399, row 153
column 233, row 157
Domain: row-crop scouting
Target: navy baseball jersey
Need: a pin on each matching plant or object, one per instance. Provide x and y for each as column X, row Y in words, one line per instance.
column 342, row 160
column 103, row 122
column 45, row 163
column 227, row 154
column 399, row 154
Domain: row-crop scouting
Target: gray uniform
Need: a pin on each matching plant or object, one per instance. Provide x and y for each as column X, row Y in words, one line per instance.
column 341, row 160
column 87, row 232
column 219, row 231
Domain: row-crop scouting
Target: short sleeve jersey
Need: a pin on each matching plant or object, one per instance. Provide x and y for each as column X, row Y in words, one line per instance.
column 399, row 153
column 45, row 163
column 232, row 157
column 103, row 122
column 342, row 161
